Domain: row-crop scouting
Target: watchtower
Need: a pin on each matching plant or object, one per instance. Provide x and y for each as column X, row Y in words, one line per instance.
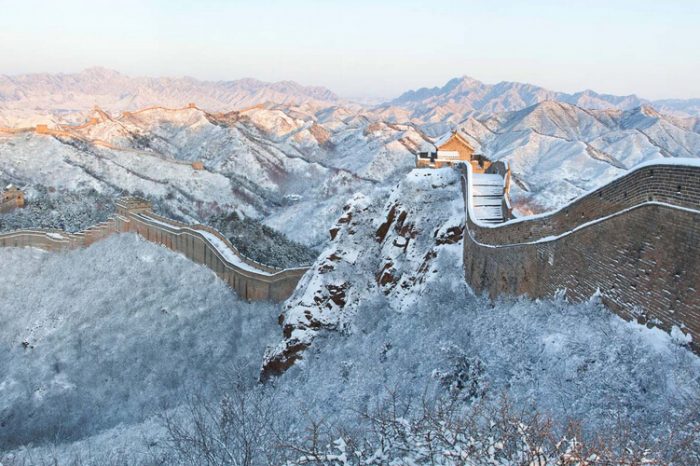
column 130, row 205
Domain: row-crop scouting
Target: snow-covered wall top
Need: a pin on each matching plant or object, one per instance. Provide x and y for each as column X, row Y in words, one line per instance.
column 204, row 245
column 634, row 241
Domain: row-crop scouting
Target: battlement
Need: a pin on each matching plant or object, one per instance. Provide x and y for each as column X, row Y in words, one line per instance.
column 201, row 244
column 129, row 205
column 11, row 198
column 634, row 240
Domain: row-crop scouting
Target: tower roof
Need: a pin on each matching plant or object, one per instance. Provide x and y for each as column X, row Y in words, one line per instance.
column 454, row 134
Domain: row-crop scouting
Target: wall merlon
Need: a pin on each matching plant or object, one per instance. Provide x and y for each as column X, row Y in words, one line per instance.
column 254, row 282
column 636, row 239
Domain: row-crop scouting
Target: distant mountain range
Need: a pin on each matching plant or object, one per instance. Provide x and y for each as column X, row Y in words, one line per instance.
column 292, row 155
column 65, row 94
column 464, row 96
column 108, row 89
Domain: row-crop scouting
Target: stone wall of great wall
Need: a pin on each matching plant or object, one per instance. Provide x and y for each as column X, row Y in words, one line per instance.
column 637, row 240
column 201, row 244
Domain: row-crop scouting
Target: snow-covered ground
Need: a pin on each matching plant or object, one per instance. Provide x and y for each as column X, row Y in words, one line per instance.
column 292, row 167
column 112, row 334
column 117, row 334
column 97, row 344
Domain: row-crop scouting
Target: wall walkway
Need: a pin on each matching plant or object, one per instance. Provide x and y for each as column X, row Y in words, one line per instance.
column 201, row 244
column 636, row 240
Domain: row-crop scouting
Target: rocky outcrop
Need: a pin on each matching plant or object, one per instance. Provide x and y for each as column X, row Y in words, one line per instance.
column 385, row 250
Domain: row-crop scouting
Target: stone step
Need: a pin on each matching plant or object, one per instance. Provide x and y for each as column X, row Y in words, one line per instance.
column 488, row 212
column 484, row 201
column 487, row 197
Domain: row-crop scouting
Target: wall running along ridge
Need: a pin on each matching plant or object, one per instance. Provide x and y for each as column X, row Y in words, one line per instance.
column 201, row 244
column 635, row 239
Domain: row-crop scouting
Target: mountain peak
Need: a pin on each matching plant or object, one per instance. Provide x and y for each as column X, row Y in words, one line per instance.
column 463, row 81
column 464, row 95
column 78, row 92
column 100, row 72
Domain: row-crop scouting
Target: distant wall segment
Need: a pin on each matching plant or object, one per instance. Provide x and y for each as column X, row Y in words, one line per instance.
column 204, row 245
column 636, row 240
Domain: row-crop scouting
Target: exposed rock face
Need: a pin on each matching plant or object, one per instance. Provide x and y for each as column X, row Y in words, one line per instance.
column 382, row 249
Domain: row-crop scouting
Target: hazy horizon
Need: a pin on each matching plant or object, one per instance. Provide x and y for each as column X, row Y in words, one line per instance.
column 367, row 50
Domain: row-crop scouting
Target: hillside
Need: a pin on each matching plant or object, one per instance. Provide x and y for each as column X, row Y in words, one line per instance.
column 293, row 158
column 389, row 329
column 559, row 151
column 293, row 167
column 111, row 334
column 464, row 96
column 282, row 166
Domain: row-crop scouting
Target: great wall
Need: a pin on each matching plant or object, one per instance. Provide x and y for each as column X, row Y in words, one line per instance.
column 201, row 244
column 634, row 241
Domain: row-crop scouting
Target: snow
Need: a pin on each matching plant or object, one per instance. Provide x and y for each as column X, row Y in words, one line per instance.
column 293, row 166
column 119, row 330
column 143, row 326
column 568, row 361
column 487, row 197
column 508, row 335
column 230, row 256
column 114, row 332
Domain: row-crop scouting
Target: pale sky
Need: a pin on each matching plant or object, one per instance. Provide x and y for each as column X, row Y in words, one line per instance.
column 367, row 48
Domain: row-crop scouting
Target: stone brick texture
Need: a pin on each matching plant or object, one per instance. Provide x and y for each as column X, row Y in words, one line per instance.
column 134, row 215
column 635, row 240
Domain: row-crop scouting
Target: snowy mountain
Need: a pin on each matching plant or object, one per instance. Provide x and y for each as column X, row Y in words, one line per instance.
column 294, row 163
column 290, row 166
column 559, row 151
column 35, row 96
column 153, row 360
column 58, row 98
column 464, row 96
column 293, row 167
column 125, row 352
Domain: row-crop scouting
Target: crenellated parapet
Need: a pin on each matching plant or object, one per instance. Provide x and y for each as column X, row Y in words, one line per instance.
column 636, row 241
column 202, row 244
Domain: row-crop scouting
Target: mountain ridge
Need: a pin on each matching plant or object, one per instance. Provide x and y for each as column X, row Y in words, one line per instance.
column 71, row 93
column 66, row 93
column 464, row 95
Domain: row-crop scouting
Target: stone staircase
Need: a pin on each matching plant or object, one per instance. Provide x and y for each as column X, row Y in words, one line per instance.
column 487, row 195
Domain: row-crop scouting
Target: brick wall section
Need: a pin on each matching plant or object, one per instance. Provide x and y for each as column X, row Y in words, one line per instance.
column 641, row 252
column 275, row 285
column 135, row 216
column 671, row 184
